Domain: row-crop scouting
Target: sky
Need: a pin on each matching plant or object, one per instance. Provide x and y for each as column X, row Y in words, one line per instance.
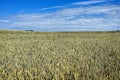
column 60, row 15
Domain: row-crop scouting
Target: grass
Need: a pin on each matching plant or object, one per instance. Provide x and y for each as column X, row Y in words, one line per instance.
column 59, row 56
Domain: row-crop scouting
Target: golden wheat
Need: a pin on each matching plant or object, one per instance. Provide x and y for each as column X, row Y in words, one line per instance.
column 59, row 56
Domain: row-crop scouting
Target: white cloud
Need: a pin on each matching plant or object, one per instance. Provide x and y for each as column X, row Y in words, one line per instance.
column 98, row 17
column 54, row 7
column 89, row 2
column 4, row 21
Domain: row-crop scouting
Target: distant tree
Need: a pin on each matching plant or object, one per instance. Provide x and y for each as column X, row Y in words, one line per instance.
column 118, row 30
column 30, row 30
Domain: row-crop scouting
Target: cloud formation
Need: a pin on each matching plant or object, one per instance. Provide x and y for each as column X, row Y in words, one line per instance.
column 90, row 2
column 70, row 17
column 4, row 21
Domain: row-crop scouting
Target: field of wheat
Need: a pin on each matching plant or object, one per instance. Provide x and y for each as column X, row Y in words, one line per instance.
column 59, row 55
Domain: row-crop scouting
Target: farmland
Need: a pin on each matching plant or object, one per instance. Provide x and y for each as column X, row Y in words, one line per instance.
column 59, row 55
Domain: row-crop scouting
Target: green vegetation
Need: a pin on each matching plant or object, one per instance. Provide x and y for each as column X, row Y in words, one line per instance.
column 59, row 56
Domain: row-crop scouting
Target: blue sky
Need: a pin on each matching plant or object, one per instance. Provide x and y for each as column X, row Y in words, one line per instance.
column 60, row 15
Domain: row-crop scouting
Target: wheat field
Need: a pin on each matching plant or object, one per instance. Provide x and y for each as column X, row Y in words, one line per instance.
column 59, row 55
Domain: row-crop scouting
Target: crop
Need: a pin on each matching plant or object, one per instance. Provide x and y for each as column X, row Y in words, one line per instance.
column 59, row 55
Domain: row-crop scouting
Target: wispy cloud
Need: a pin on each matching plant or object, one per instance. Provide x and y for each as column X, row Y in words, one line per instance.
column 89, row 2
column 54, row 7
column 76, row 18
column 4, row 21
